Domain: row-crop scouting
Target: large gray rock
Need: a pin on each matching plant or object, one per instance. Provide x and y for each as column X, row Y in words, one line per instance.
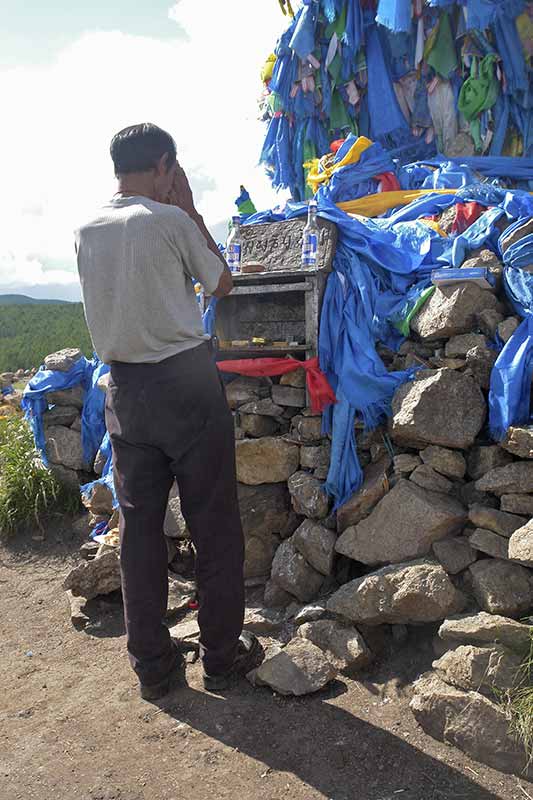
column 315, row 457
column 375, row 486
column 451, row 310
column 494, row 520
column 308, row 496
column 246, row 390
column 517, row 504
column 481, row 460
column 276, row 597
column 484, row 628
column 443, row 407
column 488, row 321
column 317, row 545
column 447, row 462
column 294, row 574
column 63, row 360
column 469, row 721
column 521, row 545
column 489, row 543
column 306, row 430
column 404, row 464
column 507, row 328
column 268, row 460
column 174, row 525
column 460, row 345
column 67, row 397
column 428, row 478
column 264, row 407
column 488, row 670
column 63, row 446
column 502, row 588
column 297, row 377
column 480, row 361
column 519, row 441
column 343, row 645
column 403, row 525
column 265, row 512
column 468, row 495
column 299, row 668
column 515, row 478
column 257, row 426
column 67, row 477
column 91, row 578
column 454, row 554
column 288, row 396
column 98, row 499
column 407, row 594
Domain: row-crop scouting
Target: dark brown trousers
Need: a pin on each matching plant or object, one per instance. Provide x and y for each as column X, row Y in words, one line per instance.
column 171, row 420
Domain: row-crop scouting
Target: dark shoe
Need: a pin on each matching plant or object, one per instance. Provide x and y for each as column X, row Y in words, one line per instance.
column 249, row 655
column 155, row 691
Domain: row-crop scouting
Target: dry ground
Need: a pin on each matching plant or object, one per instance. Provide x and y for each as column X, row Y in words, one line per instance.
column 72, row 726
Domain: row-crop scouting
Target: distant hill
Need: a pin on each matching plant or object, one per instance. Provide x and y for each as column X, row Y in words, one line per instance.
column 23, row 300
column 29, row 331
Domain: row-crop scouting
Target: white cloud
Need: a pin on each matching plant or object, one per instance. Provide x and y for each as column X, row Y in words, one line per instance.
column 58, row 121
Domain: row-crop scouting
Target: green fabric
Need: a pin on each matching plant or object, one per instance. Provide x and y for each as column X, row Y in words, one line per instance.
column 309, row 155
column 339, row 119
column 335, row 68
column 403, row 325
column 479, row 93
column 338, row 26
column 443, row 56
column 247, row 207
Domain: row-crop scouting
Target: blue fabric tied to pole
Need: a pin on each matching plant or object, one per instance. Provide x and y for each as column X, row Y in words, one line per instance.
column 396, row 15
column 303, row 38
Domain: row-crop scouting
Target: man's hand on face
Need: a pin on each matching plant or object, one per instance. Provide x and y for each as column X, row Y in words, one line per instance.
column 180, row 193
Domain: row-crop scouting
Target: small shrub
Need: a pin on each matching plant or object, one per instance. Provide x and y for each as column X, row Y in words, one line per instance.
column 521, row 705
column 29, row 492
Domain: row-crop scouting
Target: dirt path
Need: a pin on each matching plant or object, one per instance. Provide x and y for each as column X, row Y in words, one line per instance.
column 73, row 726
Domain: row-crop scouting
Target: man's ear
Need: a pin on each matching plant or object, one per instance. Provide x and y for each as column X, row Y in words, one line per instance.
column 162, row 165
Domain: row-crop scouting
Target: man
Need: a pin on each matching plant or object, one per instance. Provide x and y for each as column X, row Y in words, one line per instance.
column 166, row 410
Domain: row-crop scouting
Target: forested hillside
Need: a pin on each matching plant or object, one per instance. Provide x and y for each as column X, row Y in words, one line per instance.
column 29, row 332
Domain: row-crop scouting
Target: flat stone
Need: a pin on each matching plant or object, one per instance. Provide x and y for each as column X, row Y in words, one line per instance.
column 494, row 520
column 488, row 321
column 265, row 512
column 451, row 310
column 469, row 721
column 447, row 462
column 288, row 396
column 98, row 500
column 267, row 460
column 315, row 457
column 521, row 545
column 480, row 361
column 342, row 644
column 77, row 608
column 246, row 390
column 67, row 397
column 266, row 408
column 517, row 504
column 186, row 630
column 454, row 554
column 460, row 345
column 310, row 613
column 317, row 545
column 445, row 408
column 484, row 628
column 307, row 430
column 264, row 621
column 257, row 426
column 519, row 441
column 489, row 543
column 375, row 486
column 60, row 415
column 426, row 477
column 294, row 574
column 403, row 526
column 92, row 578
column 63, row 360
column 404, row 464
column 481, row 460
column 300, row 668
column 417, row 592
column 296, row 378
column 308, row 496
column 174, row 525
column 507, row 328
column 515, row 478
column 63, row 446
column 501, row 587
column 479, row 669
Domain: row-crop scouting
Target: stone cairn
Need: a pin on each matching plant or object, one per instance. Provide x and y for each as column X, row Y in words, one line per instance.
column 439, row 534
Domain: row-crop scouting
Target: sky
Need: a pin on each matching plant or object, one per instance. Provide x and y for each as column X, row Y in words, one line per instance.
column 72, row 74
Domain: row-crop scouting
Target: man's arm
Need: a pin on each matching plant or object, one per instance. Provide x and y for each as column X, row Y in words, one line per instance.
column 181, row 196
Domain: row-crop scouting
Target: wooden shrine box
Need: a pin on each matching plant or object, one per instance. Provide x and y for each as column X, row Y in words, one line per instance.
column 282, row 302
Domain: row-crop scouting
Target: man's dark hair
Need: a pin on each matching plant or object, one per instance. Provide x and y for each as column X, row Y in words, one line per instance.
column 140, row 147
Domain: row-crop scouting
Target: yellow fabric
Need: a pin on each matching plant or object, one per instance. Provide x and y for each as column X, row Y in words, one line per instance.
column 375, row 204
column 431, row 223
column 268, row 68
column 316, row 177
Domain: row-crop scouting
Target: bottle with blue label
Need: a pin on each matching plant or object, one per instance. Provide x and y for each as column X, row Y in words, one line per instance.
column 234, row 246
column 310, row 238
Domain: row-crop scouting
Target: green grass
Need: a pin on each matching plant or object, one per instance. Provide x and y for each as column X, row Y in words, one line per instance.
column 29, row 493
column 521, row 705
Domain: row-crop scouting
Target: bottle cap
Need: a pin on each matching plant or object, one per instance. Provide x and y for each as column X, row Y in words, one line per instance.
column 313, row 204
column 236, row 219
